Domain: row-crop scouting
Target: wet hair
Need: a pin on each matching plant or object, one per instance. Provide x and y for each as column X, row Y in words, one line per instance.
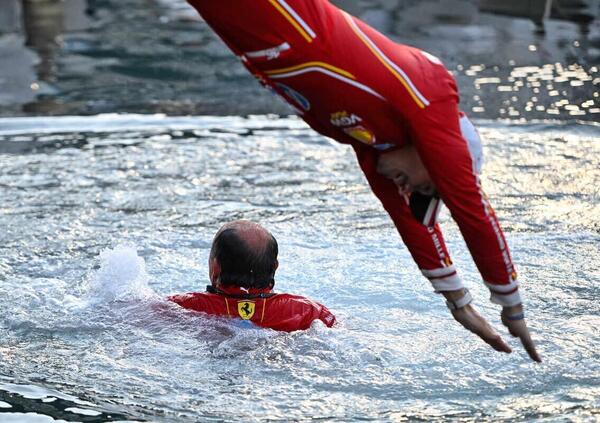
column 244, row 266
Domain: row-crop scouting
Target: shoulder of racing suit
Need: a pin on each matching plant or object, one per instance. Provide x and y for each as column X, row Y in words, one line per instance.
column 283, row 312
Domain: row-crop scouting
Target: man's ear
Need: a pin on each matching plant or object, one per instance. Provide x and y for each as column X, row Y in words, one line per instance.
column 214, row 270
column 276, row 264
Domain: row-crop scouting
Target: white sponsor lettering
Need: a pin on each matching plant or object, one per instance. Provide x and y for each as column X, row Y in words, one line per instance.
column 436, row 242
column 341, row 119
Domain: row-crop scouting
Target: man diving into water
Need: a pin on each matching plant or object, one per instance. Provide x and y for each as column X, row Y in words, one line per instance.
column 397, row 106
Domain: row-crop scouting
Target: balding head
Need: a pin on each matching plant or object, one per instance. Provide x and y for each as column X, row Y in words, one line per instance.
column 246, row 255
column 255, row 236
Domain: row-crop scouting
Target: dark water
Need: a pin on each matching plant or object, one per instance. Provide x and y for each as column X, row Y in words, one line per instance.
column 146, row 56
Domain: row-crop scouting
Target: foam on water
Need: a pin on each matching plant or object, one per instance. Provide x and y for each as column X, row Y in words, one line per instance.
column 29, row 418
column 122, row 277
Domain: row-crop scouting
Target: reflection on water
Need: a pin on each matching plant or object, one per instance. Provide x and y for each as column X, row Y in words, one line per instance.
column 530, row 92
column 88, row 57
column 44, row 23
column 581, row 12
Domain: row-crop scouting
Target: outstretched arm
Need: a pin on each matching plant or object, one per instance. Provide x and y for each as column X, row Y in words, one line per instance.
column 444, row 152
column 427, row 247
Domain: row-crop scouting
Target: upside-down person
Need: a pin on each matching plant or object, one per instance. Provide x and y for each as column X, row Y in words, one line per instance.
column 397, row 106
column 242, row 265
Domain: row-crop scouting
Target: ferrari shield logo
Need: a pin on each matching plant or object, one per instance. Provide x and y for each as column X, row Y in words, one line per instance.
column 246, row 309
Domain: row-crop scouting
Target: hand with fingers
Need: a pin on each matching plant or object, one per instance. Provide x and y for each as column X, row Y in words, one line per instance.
column 514, row 319
column 459, row 302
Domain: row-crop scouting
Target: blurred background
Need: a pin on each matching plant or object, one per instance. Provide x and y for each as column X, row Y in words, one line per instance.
column 517, row 59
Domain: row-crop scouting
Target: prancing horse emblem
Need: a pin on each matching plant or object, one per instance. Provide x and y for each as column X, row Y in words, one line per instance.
column 246, row 309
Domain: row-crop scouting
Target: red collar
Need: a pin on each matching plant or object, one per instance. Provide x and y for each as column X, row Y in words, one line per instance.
column 237, row 292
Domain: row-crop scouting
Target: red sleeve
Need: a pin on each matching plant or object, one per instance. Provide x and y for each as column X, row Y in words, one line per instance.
column 290, row 313
column 308, row 311
column 189, row 301
column 437, row 136
column 426, row 244
column 314, row 311
column 326, row 316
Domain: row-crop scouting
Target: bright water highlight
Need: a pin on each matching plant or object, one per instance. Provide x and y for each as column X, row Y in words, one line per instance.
column 103, row 217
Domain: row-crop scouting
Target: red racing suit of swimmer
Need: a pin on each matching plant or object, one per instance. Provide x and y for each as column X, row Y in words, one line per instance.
column 351, row 83
column 283, row 312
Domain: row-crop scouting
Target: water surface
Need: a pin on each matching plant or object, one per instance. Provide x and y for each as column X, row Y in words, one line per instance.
column 104, row 216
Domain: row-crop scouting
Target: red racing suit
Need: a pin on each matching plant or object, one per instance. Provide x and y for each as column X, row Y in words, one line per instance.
column 351, row 83
column 264, row 308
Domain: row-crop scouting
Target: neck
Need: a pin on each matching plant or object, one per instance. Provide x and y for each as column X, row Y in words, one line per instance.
column 236, row 291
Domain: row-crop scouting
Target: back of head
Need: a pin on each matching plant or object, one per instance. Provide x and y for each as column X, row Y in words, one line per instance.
column 246, row 254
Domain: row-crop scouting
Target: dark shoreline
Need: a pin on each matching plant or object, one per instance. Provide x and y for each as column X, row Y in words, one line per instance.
column 100, row 56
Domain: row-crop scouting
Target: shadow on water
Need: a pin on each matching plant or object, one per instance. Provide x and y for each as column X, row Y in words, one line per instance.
column 25, row 402
column 98, row 56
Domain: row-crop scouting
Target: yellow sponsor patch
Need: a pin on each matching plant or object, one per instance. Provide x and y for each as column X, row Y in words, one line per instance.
column 361, row 134
column 246, row 309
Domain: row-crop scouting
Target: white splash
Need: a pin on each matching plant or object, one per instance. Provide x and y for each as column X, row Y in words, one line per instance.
column 122, row 276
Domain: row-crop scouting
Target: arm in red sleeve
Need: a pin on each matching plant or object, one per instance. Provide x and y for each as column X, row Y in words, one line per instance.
column 425, row 243
column 325, row 316
column 190, row 301
column 437, row 136
column 287, row 312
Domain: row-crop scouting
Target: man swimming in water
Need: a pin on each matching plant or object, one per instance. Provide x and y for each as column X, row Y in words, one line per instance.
column 242, row 265
column 397, row 106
